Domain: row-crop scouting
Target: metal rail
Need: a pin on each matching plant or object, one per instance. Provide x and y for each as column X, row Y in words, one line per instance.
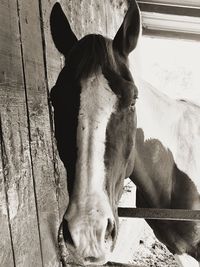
column 171, row 19
column 160, row 214
column 168, row 9
column 178, row 3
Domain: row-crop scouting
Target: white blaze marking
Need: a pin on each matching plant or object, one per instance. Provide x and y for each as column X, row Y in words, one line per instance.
column 97, row 103
column 176, row 125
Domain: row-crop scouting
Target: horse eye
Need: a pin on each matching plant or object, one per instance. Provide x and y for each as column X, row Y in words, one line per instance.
column 135, row 96
column 132, row 105
column 134, row 101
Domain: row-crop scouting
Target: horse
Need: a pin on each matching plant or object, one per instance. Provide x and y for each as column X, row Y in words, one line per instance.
column 105, row 134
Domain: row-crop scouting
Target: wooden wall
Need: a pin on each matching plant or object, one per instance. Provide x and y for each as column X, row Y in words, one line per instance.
column 33, row 193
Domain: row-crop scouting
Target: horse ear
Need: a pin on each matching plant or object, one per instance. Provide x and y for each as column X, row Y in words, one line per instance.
column 127, row 36
column 62, row 34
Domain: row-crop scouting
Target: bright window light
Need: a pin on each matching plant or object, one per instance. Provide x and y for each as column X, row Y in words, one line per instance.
column 172, row 66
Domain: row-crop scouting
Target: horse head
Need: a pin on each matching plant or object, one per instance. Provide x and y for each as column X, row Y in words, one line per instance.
column 95, row 127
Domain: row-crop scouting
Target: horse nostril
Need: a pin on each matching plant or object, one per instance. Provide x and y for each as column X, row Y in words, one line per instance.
column 90, row 259
column 110, row 230
column 66, row 233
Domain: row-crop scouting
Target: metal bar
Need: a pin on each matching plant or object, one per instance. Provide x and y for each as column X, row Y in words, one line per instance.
column 172, row 19
column 172, row 10
column 160, row 214
column 171, row 34
column 172, row 26
column 180, row 3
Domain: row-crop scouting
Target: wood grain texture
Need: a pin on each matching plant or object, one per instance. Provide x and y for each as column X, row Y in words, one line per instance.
column 46, row 182
column 53, row 62
column 87, row 16
column 6, row 246
column 115, row 11
column 17, row 167
column 6, row 253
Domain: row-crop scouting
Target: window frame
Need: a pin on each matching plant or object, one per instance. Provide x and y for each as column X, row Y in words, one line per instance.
column 181, row 3
column 162, row 19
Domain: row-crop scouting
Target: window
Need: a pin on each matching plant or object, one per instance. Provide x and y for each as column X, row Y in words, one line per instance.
column 182, row 3
column 172, row 66
column 178, row 18
column 170, row 46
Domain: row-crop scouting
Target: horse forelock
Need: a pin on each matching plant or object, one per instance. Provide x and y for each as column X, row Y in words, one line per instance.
column 91, row 53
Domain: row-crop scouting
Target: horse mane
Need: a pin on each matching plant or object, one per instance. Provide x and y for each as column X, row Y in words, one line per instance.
column 89, row 55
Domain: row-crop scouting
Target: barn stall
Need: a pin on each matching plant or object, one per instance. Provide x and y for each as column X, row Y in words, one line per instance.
column 33, row 192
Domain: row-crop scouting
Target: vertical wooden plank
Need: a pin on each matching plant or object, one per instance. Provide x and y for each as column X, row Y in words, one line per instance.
column 46, row 182
column 6, row 246
column 15, row 141
column 56, row 65
column 6, row 252
column 115, row 11
column 87, row 16
column 53, row 63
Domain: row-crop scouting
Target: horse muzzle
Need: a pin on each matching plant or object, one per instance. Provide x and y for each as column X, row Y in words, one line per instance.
column 89, row 239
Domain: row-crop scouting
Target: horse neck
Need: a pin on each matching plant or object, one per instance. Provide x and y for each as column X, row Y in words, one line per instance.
column 157, row 118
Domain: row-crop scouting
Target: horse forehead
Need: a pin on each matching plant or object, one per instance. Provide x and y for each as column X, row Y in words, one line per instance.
column 97, row 98
column 97, row 103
